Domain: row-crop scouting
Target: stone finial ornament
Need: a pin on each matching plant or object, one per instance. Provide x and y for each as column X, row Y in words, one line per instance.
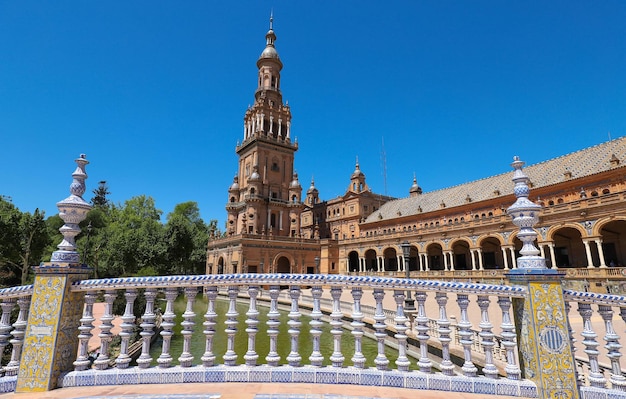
column 525, row 214
column 72, row 210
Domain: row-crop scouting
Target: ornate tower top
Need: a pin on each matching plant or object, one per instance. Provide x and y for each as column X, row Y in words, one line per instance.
column 72, row 210
column 415, row 188
column 525, row 214
column 357, row 180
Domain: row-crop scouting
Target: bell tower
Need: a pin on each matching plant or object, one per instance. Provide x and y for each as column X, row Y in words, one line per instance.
column 264, row 197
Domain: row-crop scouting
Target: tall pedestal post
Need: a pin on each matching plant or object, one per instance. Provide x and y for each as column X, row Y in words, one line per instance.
column 540, row 318
column 50, row 343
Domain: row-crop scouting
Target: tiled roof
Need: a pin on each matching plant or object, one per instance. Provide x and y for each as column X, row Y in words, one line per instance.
column 581, row 163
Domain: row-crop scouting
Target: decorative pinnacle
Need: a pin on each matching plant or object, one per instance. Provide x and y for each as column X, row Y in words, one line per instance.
column 72, row 210
column 525, row 214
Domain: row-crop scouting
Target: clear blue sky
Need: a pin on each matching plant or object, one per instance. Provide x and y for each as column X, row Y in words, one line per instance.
column 155, row 92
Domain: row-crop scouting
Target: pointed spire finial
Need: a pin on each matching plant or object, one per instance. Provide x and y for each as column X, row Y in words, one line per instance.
column 272, row 19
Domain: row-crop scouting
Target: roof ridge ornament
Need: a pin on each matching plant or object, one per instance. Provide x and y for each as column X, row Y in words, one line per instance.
column 525, row 214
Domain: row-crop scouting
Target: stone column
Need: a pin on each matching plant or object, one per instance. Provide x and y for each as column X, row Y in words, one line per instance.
column 588, row 252
column 600, row 252
column 505, row 256
column 480, row 259
column 541, row 317
column 51, row 340
column 473, row 255
column 445, row 260
column 552, row 255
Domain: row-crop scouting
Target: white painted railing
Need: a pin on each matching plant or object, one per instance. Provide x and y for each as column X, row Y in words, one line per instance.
column 469, row 326
column 591, row 316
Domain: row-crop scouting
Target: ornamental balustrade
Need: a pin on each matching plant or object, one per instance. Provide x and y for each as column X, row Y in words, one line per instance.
column 458, row 334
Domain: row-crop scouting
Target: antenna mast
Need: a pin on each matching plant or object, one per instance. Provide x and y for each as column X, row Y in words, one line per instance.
column 383, row 158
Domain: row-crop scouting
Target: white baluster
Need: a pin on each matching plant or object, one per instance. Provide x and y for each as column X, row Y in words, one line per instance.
column 465, row 333
column 596, row 379
column 580, row 376
column 294, row 357
column 273, row 322
column 443, row 328
column 210, row 317
column 82, row 361
column 147, row 329
column 106, row 324
column 316, row 357
column 167, row 325
column 337, row 357
column 613, row 347
column 424, row 363
column 252, row 321
column 230, row 357
column 512, row 369
column 358, row 360
column 186, row 357
column 402, row 362
column 5, row 326
column 381, row 360
column 486, row 336
column 127, row 326
column 19, row 330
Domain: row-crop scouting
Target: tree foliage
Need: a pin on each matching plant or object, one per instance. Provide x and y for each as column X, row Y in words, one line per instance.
column 116, row 240
column 23, row 239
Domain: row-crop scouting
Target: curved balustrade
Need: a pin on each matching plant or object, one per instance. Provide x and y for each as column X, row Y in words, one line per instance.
column 597, row 369
column 332, row 299
column 469, row 326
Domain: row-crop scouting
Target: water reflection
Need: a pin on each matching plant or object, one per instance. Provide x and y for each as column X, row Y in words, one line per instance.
column 369, row 346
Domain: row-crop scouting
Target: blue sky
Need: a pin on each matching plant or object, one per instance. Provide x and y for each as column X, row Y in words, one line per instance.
column 155, row 92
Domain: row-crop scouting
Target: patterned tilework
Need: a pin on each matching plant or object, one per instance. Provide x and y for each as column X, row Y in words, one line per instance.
column 544, row 346
column 307, row 396
column 50, row 342
column 37, row 365
column 296, row 279
column 306, row 374
column 599, row 393
column 169, row 396
column 7, row 384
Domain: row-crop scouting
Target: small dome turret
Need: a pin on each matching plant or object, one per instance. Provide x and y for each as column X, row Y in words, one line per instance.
column 295, row 183
column 254, row 176
column 415, row 188
column 235, row 185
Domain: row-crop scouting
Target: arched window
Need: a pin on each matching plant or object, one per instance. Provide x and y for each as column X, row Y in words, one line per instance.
column 606, row 191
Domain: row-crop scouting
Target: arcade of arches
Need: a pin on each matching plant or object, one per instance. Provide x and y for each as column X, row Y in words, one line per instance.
column 573, row 245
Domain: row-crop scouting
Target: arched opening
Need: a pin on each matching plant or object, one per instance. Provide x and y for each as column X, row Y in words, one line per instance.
column 569, row 250
column 283, row 265
column 353, row 261
column 462, row 256
column 370, row 261
column 220, row 266
column 435, row 257
column 391, row 260
column 492, row 253
column 614, row 243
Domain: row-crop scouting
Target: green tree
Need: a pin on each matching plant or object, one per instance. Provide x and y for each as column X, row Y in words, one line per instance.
column 99, row 198
column 186, row 236
column 132, row 240
column 23, row 239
